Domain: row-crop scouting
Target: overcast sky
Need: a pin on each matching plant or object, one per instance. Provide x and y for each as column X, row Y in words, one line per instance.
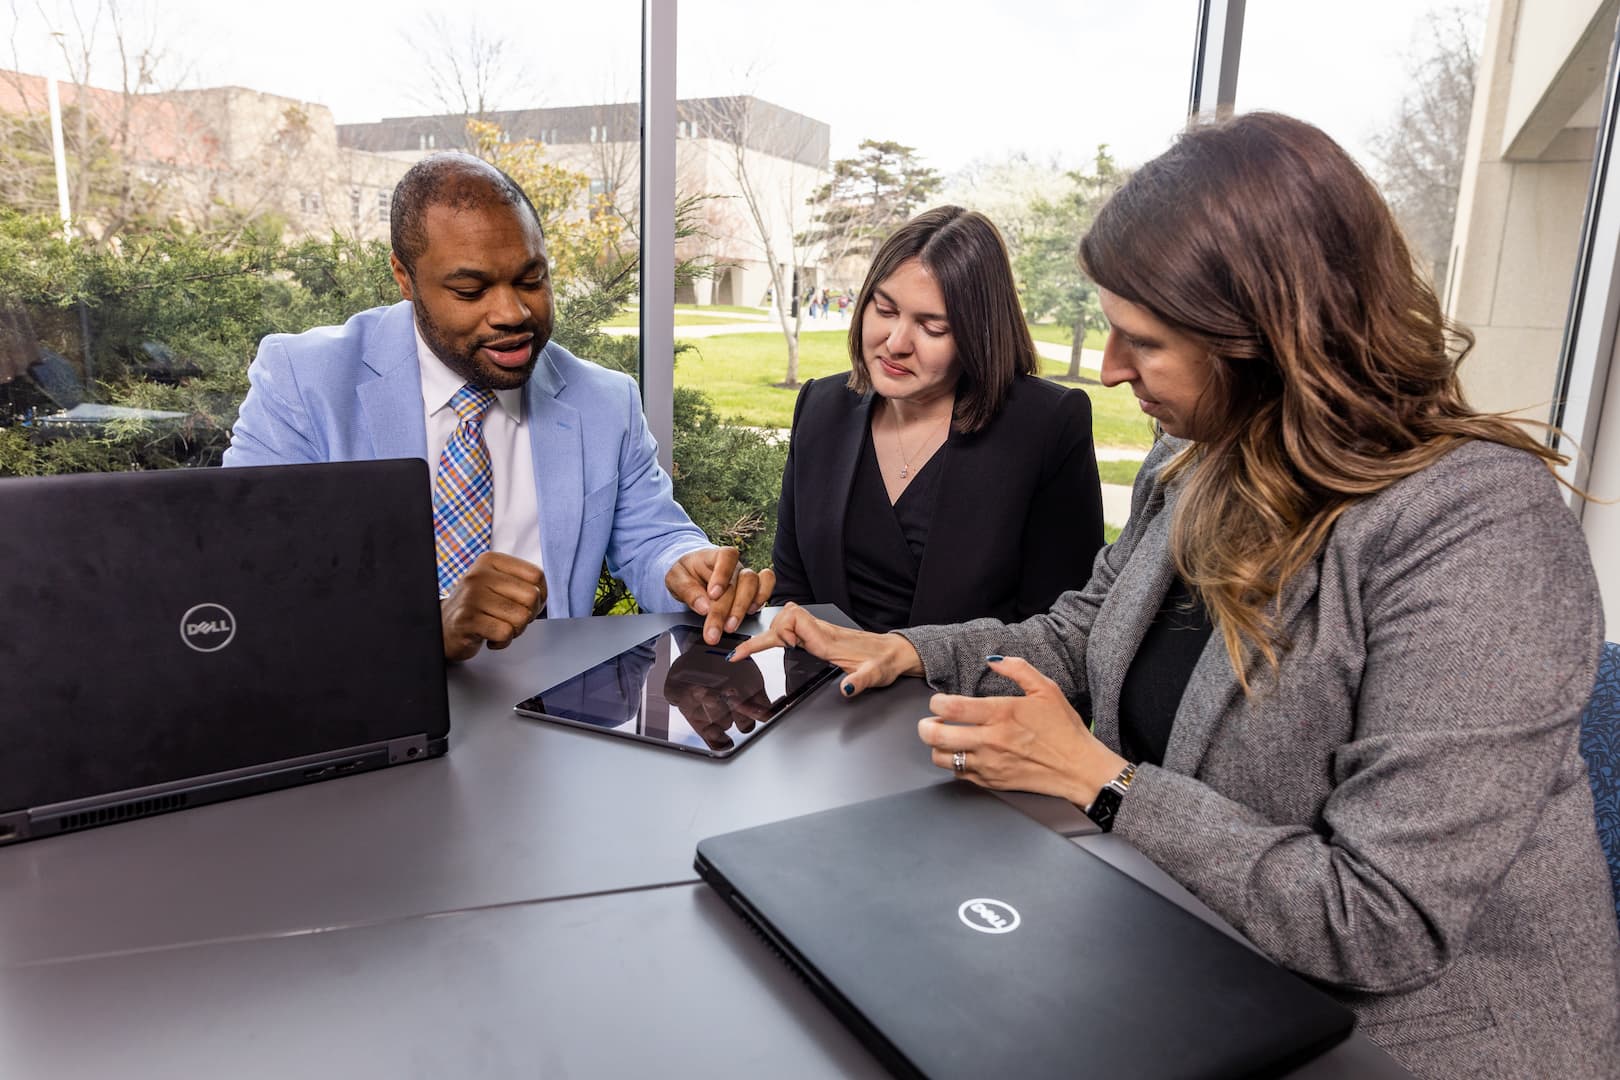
column 958, row 79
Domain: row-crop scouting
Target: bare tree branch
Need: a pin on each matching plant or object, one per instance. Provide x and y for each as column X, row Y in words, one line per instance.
column 776, row 208
column 1419, row 156
column 463, row 69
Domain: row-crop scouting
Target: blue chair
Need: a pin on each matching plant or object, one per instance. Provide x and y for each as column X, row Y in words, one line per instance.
column 1600, row 745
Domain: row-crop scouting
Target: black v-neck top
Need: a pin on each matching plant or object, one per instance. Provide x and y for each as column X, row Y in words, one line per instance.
column 1159, row 673
column 883, row 543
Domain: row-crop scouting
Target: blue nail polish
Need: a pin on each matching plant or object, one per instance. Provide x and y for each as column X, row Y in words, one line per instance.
column 732, row 655
column 849, row 689
column 994, row 658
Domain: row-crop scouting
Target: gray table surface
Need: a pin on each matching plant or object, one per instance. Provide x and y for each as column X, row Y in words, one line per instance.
column 518, row 810
column 523, row 906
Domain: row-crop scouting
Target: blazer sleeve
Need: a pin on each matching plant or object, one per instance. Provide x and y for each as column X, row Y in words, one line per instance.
column 1482, row 629
column 953, row 656
column 272, row 426
column 1064, row 529
column 650, row 529
column 791, row 581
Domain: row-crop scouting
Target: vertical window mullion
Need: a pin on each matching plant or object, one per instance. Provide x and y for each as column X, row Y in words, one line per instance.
column 1216, row 51
column 1594, row 307
column 658, row 19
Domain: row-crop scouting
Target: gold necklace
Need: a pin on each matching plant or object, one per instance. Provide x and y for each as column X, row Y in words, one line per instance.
column 905, row 459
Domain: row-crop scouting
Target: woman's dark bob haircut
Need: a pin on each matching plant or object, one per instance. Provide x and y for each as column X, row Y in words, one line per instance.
column 964, row 253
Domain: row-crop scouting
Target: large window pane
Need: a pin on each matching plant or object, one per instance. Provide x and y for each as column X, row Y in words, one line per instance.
column 229, row 170
column 812, row 135
column 1478, row 119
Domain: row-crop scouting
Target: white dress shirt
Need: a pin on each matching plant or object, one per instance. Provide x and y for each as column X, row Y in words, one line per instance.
column 506, row 434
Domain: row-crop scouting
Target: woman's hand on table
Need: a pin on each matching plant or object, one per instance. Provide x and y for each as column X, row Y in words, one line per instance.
column 868, row 660
column 1032, row 743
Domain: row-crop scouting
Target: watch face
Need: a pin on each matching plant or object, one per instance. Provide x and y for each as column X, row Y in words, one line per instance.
column 1103, row 809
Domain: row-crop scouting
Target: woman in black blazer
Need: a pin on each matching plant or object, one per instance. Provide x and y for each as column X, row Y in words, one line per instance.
column 943, row 480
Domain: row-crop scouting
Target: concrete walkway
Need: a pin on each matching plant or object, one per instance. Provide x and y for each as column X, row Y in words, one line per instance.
column 743, row 324
column 1116, row 504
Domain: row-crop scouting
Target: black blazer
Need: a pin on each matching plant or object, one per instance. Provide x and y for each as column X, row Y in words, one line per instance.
column 1018, row 519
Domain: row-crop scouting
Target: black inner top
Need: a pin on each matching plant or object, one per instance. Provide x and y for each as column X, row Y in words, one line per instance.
column 1158, row 675
column 883, row 543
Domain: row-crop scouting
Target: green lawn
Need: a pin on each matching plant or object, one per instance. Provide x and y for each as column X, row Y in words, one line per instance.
column 1118, row 472
column 730, row 309
column 1116, row 419
column 737, row 371
column 1059, row 334
column 686, row 315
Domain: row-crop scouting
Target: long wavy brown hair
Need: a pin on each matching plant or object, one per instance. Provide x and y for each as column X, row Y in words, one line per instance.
column 1333, row 372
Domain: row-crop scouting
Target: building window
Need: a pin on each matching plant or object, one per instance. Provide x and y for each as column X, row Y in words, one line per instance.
column 354, row 205
column 382, row 206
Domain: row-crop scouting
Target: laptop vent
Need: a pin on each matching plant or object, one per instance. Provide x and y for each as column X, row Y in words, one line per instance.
column 123, row 812
column 751, row 922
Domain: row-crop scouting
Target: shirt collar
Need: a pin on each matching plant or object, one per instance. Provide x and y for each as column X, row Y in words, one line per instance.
column 439, row 383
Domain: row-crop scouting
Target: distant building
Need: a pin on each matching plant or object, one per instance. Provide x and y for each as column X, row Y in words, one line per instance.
column 215, row 156
column 783, row 154
column 226, row 154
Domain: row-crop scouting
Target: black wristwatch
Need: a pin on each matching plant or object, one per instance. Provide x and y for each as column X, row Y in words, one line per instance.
column 1105, row 806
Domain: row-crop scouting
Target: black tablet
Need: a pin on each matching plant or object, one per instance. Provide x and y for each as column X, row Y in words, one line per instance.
column 677, row 691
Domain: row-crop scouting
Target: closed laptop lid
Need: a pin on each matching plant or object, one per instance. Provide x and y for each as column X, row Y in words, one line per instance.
column 958, row 938
column 166, row 625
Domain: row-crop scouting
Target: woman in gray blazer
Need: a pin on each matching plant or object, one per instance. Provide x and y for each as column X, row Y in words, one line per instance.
column 1334, row 666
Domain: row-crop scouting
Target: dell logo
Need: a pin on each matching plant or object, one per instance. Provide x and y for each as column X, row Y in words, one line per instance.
column 989, row 916
column 207, row 627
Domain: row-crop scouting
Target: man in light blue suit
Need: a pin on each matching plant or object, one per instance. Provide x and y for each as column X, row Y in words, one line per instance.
column 575, row 472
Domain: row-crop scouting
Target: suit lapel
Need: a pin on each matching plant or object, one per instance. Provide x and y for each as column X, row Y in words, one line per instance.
column 557, row 442
column 830, row 498
column 1214, row 687
column 1128, row 611
column 391, row 401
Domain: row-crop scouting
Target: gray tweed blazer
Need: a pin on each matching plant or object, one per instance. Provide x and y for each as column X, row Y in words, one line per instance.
column 1401, row 813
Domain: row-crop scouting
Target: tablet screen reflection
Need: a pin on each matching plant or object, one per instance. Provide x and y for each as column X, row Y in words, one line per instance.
column 677, row 690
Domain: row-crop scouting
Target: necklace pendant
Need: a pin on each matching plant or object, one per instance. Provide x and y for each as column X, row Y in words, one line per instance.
column 903, row 470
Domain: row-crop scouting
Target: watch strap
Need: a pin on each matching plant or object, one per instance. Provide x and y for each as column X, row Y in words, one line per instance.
column 1105, row 807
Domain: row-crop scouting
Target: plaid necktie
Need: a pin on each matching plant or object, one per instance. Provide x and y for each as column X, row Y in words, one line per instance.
column 464, row 490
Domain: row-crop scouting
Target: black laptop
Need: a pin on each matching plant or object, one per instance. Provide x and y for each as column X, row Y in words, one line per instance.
column 175, row 638
column 958, row 938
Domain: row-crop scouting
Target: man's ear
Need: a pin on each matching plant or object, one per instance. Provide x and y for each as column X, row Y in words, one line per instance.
column 402, row 277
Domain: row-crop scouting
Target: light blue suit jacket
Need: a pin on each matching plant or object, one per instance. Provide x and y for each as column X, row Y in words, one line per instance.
column 354, row 392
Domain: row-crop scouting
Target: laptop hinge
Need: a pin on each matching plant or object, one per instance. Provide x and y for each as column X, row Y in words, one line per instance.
column 152, row 790
column 174, row 795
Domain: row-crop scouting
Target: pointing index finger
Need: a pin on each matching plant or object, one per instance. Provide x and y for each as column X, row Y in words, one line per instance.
column 763, row 641
column 725, row 567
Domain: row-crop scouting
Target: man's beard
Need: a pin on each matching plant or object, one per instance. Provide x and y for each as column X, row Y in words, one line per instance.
column 489, row 376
